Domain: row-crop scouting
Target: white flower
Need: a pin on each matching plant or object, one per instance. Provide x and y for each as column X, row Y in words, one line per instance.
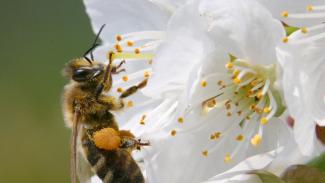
column 217, row 74
column 303, row 62
column 304, row 89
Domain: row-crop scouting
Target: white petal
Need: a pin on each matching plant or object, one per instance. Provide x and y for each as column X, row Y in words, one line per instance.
column 170, row 5
column 240, row 178
column 183, row 48
column 305, row 135
column 291, row 155
column 124, row 16
column 252, row 163
column 245, row 28
column 303, row 79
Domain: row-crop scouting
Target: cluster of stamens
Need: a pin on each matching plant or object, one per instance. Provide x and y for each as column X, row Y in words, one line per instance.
column 248, row 93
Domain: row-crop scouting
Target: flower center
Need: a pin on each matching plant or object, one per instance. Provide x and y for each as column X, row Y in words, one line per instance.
column 249, row 93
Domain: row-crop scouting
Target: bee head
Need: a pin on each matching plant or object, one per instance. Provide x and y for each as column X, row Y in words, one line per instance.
column 82, row 71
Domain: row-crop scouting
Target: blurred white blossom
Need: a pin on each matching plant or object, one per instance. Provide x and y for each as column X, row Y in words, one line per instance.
column 303, row 63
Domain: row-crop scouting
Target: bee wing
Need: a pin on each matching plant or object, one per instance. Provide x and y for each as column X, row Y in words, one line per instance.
column 73, row 146
column 84, row 171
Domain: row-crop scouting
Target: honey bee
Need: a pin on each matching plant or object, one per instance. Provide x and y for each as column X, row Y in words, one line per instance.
column 88, row 111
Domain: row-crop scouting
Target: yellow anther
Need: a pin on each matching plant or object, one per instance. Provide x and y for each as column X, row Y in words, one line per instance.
column 229, row 65
column 217, row 135
column 256, row 140
column 118, row 48
column 232, row 58
column 259, row 95
column 239, row 113
column 130, row 103
column 240, row 137
column 220, row 82
column 236, row 80
column 255, row 82
column 309, row 8
column 229, row 114
column 304, row 30
column 125, row 78
column 266, row 109
column 264, row 121
column 204, row 83
column 142, row 122
column 213, row 137
column 137, row 51
column 130, row 43
column 146, row 74
column 285, row 14
column 250, row 92
column 205, row 153
column 258, row 110
column 235, row 72
column 180, row 120
column 285, row 39
column 173, row 132
column 228, row 106
column 211, row 103
column 227, row 158
column 252, row 107
column 248, row 117
column 120, row 90
column 150, row 61
column 118, row 38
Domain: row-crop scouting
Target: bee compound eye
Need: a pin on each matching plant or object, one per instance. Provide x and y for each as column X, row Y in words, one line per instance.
column 81, row 74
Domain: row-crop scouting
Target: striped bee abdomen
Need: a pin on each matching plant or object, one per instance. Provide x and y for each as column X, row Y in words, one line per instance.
column 115, row 166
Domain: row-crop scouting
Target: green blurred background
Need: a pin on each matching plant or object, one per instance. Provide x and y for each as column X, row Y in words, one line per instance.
column 37, row 39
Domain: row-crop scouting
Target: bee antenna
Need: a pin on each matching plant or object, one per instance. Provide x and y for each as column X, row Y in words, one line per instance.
column 95, row 44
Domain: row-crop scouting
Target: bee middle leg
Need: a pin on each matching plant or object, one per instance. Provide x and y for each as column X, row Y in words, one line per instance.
column 134, row 89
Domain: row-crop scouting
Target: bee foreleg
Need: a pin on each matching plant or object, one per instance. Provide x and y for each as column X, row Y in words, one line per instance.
column 115, row 69
column 134, row 89
column 118, row 71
